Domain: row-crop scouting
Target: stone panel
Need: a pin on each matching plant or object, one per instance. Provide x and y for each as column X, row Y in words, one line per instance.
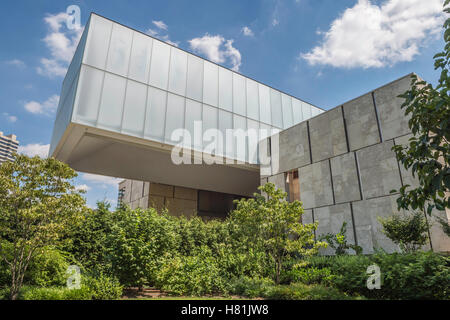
column 378, row 170
column 137, row 188
column 294, row 147
column 327, row 135
column 127, row 194
column 156, row 202
column 181, row 207
column 279, row 181
column 161, row 189
column 439, row 240
column 345, row 178
column 393, row 121
column 330, row 220
column 361, row 122
column 307, row 217
column 368, row 229
column 315, row 185
column 264, row 158
column 146, row 188
column 143, row 202
column 406, row 174
column 185, row 193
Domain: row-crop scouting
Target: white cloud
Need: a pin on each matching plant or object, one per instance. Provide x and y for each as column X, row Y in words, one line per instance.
column 247, row 31
column 17, row 63
column 160, row 25
column 47, row 107
column 9, row 117
column 83, row 187
column 35, row 149
column 102, row 181
column 157, row 33
column 275, row 22
column 217, row 49
column 369, row 35
column 62, row 43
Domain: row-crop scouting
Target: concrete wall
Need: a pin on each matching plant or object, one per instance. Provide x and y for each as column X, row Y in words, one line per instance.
column 347, row 167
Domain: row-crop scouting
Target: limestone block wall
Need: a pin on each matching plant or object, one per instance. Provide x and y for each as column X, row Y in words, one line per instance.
column 347, row 168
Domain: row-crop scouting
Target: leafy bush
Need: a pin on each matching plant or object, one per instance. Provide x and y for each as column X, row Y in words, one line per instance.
column 103, row 287
column 251, row 287
column 300, row 291
column 55, row 293
column 409, row 231
column 339, row 243
column 310, row 275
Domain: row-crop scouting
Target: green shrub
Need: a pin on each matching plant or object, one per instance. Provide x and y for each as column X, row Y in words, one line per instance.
column 55, row 293
column 48, row 268
column 103, row 287
column 300, row 291
column 251, row 287
column 310, row 275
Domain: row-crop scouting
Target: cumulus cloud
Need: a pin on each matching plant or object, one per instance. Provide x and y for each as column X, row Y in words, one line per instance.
column 102, row 181
column 82, row 187
column 373, row 36
column 35, row 149
column 47, row 107
column 247, row 31
column 217, row 49
column 160, row 24
column 61, row 42
column 16, row 62
column 10, row 118
column 161, row 33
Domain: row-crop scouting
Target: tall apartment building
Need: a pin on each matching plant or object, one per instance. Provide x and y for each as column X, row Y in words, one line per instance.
column 8, row 145
column 126, row 96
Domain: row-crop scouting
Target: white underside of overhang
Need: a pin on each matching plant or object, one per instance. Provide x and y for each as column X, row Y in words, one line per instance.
column 97, row 151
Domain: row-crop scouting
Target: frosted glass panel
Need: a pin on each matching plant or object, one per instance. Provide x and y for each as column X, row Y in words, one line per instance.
column 306, row 111
column 275, row 103
column 225, row 89
column 315, row 111
column 252, row 99
column 239, row 94
column 159, row 70
column 264, row 104
column 210, row 83
column 89, row 90
column 194, row 113
column 119, row 50
column 156, row 114
column 297, row 111
column 98, row 42
column 175, row 115
column 287, row 110
column 240, row 140
column 111, row 106
column 141, row 54
column 134, row 111
column 226, row 122
column 253, row 138
column 195, row 78
column 178, row 70
column 210, row 115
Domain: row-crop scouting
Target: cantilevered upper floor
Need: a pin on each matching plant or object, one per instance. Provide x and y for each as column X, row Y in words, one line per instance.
column 125, row 93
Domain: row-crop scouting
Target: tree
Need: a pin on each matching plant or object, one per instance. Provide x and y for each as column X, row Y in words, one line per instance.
column 408, row 231
column 38, row 202
column 427, row 154
column 339, row 241
column 274, row 225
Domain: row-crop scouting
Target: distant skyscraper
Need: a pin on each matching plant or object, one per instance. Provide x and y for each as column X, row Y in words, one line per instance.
column 8, row 145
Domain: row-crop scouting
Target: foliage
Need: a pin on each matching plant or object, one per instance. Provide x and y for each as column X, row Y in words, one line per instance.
column 339, row 243
column 273, row 225
column 409, row 231
column 251, row 287
column 310, row 275
column 37, row 203
column 427, row 154
column 300, row 291
column 103, row 287
column 55, row 293
column 419, row 275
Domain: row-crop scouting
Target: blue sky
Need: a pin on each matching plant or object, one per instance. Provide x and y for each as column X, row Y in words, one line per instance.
column 323, row 51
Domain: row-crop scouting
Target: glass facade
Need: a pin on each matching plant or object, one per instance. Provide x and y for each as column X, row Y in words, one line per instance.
column 127, row 82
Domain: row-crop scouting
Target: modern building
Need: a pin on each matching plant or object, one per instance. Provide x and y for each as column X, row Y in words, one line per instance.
column 191, row 136
column 8, row 146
